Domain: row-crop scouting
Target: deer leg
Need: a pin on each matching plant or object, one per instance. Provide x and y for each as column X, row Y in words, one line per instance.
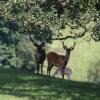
column 41, row 69
column 38, row 68
column 62, row 76
column 49, row 69
column 57, row 70
column 62, row 72
column 69, row 75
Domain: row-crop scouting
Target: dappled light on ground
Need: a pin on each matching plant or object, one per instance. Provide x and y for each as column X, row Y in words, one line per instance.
column 27, row 86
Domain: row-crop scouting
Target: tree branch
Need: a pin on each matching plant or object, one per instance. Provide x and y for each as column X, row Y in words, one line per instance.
column 71, row 37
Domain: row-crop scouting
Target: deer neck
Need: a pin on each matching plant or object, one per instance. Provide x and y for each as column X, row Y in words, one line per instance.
column 67, row 55
column 66, row 59
column 39, row 49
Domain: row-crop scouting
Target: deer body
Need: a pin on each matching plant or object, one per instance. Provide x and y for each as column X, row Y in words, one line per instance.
column 56, row 59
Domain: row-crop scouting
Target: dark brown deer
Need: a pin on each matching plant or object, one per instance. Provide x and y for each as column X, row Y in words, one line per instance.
column 40, row 55
column 57, row 60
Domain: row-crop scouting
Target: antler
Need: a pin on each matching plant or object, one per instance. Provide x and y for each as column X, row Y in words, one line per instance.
column 64, row 45
column 73, row 45
column 35, row 43
column 32, row 40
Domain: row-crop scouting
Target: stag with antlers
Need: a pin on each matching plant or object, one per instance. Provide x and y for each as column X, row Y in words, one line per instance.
column 40, row 54
column 57, row 60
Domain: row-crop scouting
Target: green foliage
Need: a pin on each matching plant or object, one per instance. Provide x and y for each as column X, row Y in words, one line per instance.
column 42, row 33
column 56, row 14
column 25, row 54
column 6, row 55
column 96, row 31
column 94, row 73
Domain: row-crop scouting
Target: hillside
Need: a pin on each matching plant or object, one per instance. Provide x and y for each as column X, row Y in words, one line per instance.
column 23, row 85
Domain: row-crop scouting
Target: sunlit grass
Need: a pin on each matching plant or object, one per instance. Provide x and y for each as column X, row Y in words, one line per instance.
column 11, row 97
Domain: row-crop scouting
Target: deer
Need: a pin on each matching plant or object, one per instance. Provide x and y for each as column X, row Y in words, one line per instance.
column 54, row 59
column 67, row 71
column 40, row 54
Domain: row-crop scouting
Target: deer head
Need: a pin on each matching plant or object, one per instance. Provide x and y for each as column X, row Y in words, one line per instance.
column 68, row 49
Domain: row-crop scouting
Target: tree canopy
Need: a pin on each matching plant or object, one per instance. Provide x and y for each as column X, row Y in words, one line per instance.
column 24, row 16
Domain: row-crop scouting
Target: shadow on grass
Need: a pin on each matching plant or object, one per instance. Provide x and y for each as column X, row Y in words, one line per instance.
column 26, row 84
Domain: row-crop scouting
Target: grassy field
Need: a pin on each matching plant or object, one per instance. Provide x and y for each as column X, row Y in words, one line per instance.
column 23, row 85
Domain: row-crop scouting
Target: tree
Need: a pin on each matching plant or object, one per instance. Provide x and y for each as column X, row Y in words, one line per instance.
column 55, row 14
column 44, row 19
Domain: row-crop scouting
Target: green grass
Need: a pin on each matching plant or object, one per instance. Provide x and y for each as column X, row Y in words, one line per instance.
column 23, row 85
